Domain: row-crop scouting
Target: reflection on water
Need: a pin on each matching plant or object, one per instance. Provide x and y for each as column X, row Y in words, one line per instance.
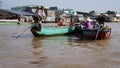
column 57, row 51
column 36, row 43
column 37, row 46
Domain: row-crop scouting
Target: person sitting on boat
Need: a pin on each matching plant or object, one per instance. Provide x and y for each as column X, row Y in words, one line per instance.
column 101, row 19
column 88, row 24
column 39, row 17
column 95, row 23
column 59, row 23
column 83, row 25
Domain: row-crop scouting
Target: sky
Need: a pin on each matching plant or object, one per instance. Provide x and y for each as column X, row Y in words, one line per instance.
column 78, row 5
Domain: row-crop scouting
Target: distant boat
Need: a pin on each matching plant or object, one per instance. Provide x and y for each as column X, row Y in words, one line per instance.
column 52, row 30
column 103, row 33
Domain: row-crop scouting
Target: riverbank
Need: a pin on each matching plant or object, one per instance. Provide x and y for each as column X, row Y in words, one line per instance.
column 11, row 22
column 8, row 20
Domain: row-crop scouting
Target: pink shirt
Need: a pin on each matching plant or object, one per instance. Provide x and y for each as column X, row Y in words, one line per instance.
column 89, row 25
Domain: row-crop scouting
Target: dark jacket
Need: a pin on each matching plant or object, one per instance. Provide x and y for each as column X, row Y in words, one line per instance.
column 100, row 19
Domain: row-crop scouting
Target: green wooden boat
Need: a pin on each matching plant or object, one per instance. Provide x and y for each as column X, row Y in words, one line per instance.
column 49, row 31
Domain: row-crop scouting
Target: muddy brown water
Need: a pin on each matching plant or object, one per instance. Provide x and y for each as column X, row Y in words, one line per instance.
column 28, row 51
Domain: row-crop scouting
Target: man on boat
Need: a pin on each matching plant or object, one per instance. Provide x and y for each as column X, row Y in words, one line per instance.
column 39, row 17
column 101, row 19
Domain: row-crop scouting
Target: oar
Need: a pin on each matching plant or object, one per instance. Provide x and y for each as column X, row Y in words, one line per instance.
column 97, row 33
column 25, row 30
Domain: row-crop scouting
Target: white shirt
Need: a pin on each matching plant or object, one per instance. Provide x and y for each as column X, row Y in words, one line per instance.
column 41, row 13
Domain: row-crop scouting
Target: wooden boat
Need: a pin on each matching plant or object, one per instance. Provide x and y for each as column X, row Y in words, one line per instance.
column 95, row 33
column 52, row 30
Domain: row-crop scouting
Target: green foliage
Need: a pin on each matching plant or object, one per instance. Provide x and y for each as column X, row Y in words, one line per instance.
column 110, row 12
column 92, row 12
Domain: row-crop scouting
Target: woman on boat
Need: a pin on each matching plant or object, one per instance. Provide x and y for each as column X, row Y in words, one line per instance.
column 87, row 24
column 39, row 17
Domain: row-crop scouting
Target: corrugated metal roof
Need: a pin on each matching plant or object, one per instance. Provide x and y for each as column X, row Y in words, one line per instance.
column 19, row 12
column 4, row 13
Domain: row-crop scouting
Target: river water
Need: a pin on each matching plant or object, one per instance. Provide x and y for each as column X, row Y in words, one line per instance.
column 28, row 51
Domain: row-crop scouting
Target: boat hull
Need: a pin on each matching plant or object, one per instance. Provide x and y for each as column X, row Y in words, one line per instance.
column 93, row 33
column 52, row 31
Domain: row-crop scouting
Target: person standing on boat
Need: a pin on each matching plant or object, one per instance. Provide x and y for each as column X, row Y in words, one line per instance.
column 41, row 14
column 20, row 19
column 101, row 19
column 39, row 17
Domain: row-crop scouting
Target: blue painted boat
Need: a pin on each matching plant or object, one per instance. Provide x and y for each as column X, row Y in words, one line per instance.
column 52, row 30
